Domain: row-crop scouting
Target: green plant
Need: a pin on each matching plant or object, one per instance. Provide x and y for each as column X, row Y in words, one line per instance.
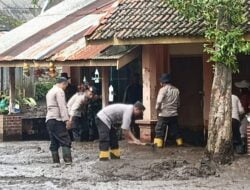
column 4, row 103
column 34, row 2
column 41, row 90
column 28, row 101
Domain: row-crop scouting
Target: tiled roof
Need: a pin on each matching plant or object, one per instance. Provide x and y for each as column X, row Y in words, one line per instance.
column 145, row 19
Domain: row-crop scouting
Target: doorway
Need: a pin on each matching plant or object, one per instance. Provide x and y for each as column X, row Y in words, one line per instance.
column 187, row 75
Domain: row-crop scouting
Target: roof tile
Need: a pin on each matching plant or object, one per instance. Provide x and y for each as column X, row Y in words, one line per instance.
column 148, row 18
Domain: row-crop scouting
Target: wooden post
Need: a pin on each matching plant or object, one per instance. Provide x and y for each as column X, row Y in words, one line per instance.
column 154, row 63
column 105, row 86
column 207, row 86
column 2, row 85
column 12, row 89
column 75, row 74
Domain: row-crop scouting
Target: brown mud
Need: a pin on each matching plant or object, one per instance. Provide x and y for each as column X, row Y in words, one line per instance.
column 28, row 165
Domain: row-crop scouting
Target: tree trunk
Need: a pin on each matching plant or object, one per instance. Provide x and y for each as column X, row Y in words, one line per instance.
column 219, row 146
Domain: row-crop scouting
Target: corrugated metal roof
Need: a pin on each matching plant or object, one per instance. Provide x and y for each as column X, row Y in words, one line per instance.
column 89, row 52
column 22, row 10
column 14, row 12
column 115, row 52
column 59, row 33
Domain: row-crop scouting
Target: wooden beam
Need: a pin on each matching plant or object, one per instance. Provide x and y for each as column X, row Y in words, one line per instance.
column 135, row 53
column 12, row 89
column 105, row 86
column 160, row 40
column 152, row 40
column 89, row 63
column 207, row 86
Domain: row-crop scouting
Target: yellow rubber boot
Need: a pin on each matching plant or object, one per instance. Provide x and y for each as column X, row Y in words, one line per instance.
column 115, row 153
column 104, row 155
column 179, row 141
column 158, row 142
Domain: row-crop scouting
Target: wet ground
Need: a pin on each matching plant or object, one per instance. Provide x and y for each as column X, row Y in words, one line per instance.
column 27, row 165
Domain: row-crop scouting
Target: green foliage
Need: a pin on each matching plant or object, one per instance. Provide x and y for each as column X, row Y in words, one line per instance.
column 223, row 20
column 29, row 101
column 35, row 2
column 4, row 103
column 9, row 21
column 19, row 101
column 41, row 89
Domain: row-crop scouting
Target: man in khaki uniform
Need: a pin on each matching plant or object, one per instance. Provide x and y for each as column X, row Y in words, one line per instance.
column 167, row 103
column 57, row 121
column 77, row 108
column 106, row 121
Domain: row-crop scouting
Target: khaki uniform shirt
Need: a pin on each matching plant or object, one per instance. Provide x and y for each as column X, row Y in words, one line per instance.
column 116, row 113
column 76, row 104
column 56, row 105
column 168, row 101
column 237, row 108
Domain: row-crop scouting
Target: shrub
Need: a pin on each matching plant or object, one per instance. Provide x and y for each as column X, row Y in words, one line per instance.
column 41, row 90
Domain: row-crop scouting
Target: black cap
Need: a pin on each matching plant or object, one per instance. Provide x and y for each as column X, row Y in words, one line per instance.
column 139, row 105
column 165, row 78
column 65, row 75
column 61, row 80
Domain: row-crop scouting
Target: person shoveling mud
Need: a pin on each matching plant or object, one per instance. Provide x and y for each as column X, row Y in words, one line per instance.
column 106, row 120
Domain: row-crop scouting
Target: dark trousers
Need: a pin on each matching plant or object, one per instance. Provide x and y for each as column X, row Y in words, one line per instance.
column 107, row 137
column 80, row 129
column 236, row 132
column 93, row 131
column 58, row 134
column 173, row 127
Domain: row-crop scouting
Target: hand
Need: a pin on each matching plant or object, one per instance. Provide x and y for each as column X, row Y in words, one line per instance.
column 135, row 141
column 68, row 124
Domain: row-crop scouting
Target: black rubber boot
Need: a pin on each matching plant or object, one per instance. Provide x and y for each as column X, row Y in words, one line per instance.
column 67, row 155
column 55, row 157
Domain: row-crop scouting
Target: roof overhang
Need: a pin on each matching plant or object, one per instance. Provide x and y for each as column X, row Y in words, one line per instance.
column 109, row 61
column 154, row 40
column 79, row 63
column 145, row 41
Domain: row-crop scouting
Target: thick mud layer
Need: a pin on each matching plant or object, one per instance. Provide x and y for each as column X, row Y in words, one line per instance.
column 28, row 165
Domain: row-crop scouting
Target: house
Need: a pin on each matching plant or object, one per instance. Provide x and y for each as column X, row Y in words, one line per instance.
column 13, row 14
column 170, row 43
column 57, row 37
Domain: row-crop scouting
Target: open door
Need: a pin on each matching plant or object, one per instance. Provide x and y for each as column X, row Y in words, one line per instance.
column 187, row 73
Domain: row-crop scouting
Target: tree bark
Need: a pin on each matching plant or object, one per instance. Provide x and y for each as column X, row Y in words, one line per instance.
column 219, row 146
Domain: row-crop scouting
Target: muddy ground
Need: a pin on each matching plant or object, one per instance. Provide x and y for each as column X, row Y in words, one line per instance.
column 27, row 165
